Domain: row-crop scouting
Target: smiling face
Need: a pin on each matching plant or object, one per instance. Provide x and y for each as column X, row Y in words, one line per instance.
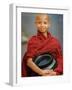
column 42, row 22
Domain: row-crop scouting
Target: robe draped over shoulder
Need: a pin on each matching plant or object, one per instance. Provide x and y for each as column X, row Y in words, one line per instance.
column 40, row 44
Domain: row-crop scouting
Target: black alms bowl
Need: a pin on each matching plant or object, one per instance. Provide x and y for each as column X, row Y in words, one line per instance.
column 45, row 61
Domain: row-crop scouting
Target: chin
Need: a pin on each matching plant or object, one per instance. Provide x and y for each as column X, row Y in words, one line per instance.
column 42, row 31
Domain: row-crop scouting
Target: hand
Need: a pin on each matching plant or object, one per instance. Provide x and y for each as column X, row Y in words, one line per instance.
column 44, row 72
column 48, row 73
column 52, row 73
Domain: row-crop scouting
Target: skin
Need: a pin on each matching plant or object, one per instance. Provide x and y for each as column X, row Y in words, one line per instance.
column 42, row 23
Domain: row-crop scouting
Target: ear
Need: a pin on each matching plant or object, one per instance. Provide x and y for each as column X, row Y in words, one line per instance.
column 49, row 25
column 35, row 23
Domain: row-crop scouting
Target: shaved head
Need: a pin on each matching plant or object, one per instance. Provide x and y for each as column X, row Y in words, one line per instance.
column 42, row 15
column 42, row 22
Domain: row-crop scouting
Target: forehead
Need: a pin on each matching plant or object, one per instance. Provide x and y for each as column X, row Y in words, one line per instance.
column 42, row 17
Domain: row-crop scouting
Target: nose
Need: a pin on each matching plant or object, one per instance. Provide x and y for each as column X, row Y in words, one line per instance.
column 42, row 24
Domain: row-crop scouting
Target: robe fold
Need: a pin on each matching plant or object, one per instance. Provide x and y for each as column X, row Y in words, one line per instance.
column 40, row 44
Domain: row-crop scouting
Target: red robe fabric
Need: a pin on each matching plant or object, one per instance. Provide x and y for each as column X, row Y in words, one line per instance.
column 40, row 44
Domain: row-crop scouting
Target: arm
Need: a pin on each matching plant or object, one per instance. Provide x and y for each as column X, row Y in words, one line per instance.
column 59, row 68
column 36, row 69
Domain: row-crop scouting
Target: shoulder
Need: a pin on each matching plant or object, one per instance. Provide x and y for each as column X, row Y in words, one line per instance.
column 32, row 39
column 54, row 39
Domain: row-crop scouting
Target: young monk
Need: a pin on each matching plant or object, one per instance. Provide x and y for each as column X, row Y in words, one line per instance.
column 43, row 42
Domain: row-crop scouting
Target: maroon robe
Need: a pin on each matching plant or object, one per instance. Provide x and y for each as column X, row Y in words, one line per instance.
column 40, row 44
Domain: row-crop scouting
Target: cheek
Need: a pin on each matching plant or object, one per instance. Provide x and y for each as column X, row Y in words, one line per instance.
column 38, row 26
column 48, row 26
column 45, row 26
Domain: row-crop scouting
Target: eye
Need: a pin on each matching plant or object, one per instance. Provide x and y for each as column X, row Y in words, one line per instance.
column 45, row 22
column 39, row 22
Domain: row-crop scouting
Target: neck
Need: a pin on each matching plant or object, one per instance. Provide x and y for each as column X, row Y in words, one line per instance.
column 45, row 34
